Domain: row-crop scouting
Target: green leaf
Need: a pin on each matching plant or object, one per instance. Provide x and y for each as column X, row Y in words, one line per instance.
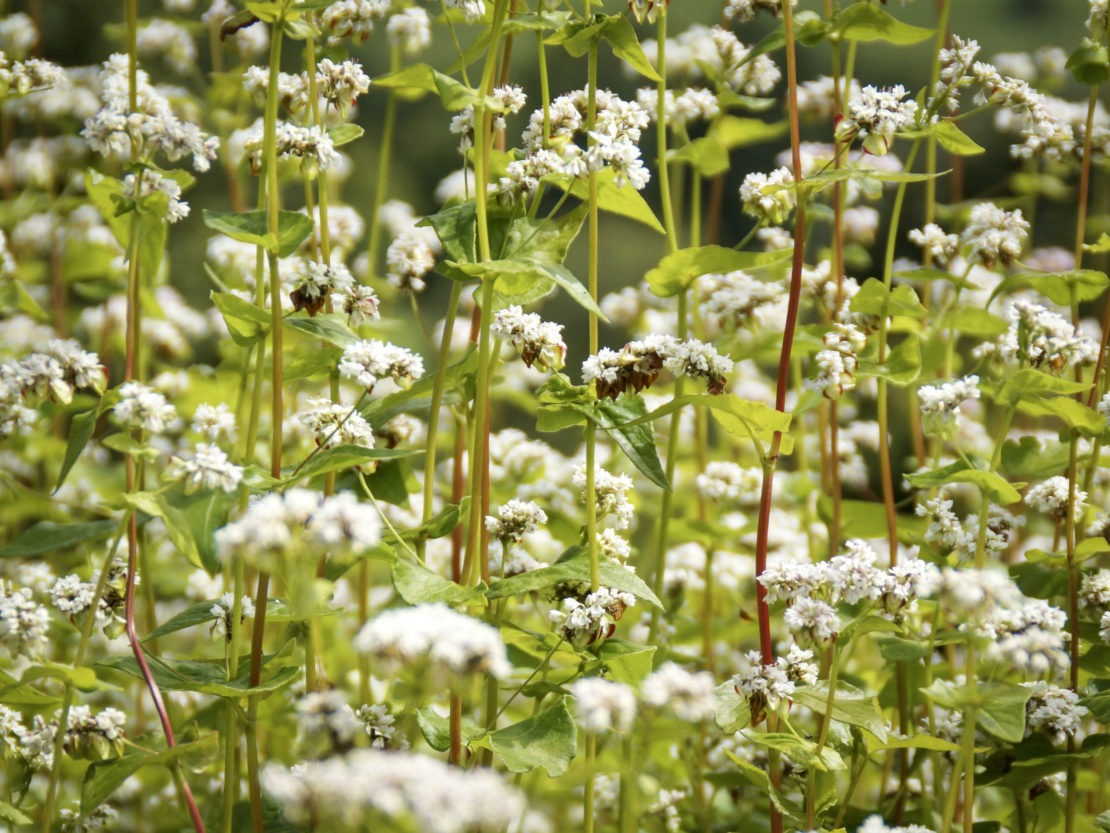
column 636, row 441
column 1029, row 383
column 994, row 486
column 733, row 132
column 706, row 155
column 954, row 140
column 733, row 711
column 177, row 525
column 12, row 815
column 935, row 275
column 677, row 272
column 896, row 649
column 15, row 693
column 341, row 134
column 440, row 524
column 972, row 321
column 102, row 778
column 330, row 328
column 1087, row 284
column 454, row 95
column 762, row 781
column 901, row 367
column 1089, row 63
column 1103, row 245
column 740, row 417
column 200, row 613
column 1087, row 421
column 578, row 36
column 416, row 584
column 127, row 444
column 393, row 482
column 624, row 201
column 246, row 322
column 1000, row 707
column 574, row 566
column 864, row 22
column 516, row 276
column 46, row 537
column 82, row 678
column 867, row 519
column 626, row 662
column 313, row 364
column 548, row 739
column 851, row 706
column 873, row 299
column 205, row 677
column 799, row 750
column 437, row 729
column 300, row 29
column 252, row 227
column 81, row 428
column 342, row 457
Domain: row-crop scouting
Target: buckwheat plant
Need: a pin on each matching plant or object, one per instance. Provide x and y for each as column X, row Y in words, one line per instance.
column 529, row 416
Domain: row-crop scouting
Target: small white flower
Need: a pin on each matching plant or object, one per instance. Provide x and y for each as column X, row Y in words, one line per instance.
column 601, row 705
column 689, row 694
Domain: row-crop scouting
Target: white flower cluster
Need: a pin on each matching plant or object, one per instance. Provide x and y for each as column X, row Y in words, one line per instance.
column 837, row 363
column 56, row 371
column 1054, row 711
column 435, row 638
column 584, row 621
column 20, row 78
column 874, row 116
column 710, row 56
column 948, row 535
column 101, row 817
column 93, row 736
column 612, row 494
column 221, row 613
column 993, row 235
column 765, row 686
column 537, row 341
column 940, row 404
column 932, row 238
column 614, row 139
column 679, row 110
column 410, row 29
column 160, row 38
column 340, row 84
column 515, row 519
column 302, row 522
column 213, row 421
column 312, row 145
column 1042, row 338
column 149, row 182
column 511, row 99
column 637, row 365
column 360, row 304
column 71, row 596
column 768, row 197
column 315, row 281
column 23, row 623
column 372, row 789
column 690, row 694
column 327, row 721
column 1051, row 498
column 367, row 362
column 210, row 468
column 816, row 98
column 743, row 11
column 736, row 299
column 143, row 407
column 380, row 726
column 726, row 481
column 292, row 88
column 352, row 19
column 153, row 128
column 409, row 258
column 875, row 824
column 602, row 705
column 333, row 424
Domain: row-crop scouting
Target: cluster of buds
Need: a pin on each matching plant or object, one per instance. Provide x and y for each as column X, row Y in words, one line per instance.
column 637, row 365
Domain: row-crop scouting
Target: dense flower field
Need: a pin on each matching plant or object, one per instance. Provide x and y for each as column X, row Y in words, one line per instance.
column 365, row 543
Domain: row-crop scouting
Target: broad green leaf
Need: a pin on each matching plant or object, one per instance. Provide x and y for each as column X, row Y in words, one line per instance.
column 330, row 328
column 624, row 200
column 972, row 321
column 81, row 428
column 437, row 729
column 741, row 417
column 1000, row 707
column 548, row 739
column 758, row 776
column 954, row 140
column 799, row 750
column 342, row 457
column 106, row 193
column 851, row 706
column 706, row 155
column 313, row 364
column 636, row 441
column 102, row 778
column 864, row 22
column 12, row 815
column 1029, row 382
column 454, row 95
column 935, row 275
column 536, row 21
column 917, row 742
column 1103, row 245
column 127, row 444
column 341, row 134
column 246, row 322
column 897, row 649
column 733, row 132
column 1087, row 421
column 416, row 584
column 440, row 524
column 205, row 677
column 45, row 537
column 994, row 486
column 901, row 300
column 901, row 367
column 733, row 711
column 626, row 662
column 578, row 36
column 513, row 276
column 677, row 271
column 300, row 29
column 393, row 482
column 1089, row 63
column 252, row 227
column 177, row 525
column 82, row 678
column 15, row 693
column 14, row 297
column 574, row 566
column 1087, row 284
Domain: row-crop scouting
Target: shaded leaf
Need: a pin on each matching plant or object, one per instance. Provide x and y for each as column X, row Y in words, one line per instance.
column 548, row 740
column 416, row 584
column 574, row 566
